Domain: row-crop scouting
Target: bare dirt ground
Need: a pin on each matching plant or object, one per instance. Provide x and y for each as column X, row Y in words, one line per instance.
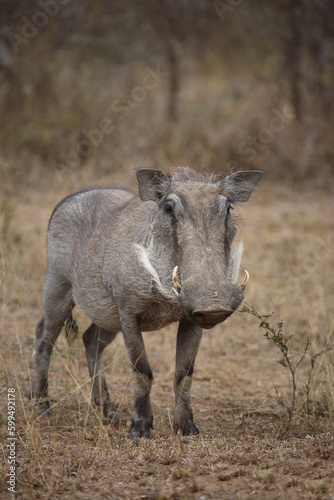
column 246, row 448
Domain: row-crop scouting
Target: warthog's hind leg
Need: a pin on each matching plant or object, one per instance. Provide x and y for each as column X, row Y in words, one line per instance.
column 188, row 340
column 57, row 306
column 96, row 340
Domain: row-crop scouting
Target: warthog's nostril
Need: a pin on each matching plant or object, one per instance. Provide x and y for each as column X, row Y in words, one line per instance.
column 199, row 316
column 211, row 317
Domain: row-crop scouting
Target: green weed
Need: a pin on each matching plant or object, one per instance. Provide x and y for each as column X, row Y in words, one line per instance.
column 292, row 363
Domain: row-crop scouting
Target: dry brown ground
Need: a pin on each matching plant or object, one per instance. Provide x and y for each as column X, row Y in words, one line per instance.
column 244, row 450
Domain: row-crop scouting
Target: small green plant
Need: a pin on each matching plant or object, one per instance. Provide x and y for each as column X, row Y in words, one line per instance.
column 276, row 334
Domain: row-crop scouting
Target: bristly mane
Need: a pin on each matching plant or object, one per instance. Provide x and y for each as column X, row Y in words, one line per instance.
column 184, row 174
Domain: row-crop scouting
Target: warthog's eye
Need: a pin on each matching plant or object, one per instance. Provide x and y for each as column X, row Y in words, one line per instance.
column 169, row 207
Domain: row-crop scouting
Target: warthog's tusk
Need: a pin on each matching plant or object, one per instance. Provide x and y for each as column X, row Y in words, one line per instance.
column 176, row 281
column 245, row 281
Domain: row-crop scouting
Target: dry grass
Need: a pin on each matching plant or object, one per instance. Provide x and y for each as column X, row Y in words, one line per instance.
column 242, row 451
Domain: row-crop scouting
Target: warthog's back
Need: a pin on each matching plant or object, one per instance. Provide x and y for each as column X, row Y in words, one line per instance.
column 74, row 220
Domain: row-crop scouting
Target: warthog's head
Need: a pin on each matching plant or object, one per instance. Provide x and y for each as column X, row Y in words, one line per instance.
column 194, row 224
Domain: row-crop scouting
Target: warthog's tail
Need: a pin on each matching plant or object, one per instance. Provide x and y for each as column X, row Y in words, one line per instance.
column 71, row 330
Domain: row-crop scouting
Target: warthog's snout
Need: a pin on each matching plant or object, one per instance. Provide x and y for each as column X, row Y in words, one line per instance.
column 208, row 313
column 207, row 318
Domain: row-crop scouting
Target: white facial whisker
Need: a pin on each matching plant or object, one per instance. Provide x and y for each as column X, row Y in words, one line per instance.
column 145, row 257
column 235, row 262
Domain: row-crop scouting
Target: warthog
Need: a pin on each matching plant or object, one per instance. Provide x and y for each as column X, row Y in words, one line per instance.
column 138, row 263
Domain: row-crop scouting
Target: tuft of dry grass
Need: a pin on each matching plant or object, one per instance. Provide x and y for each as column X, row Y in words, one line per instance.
column 237, row 383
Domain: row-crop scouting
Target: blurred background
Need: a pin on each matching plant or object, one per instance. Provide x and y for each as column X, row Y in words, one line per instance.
column 91, row 91
column 106, row 87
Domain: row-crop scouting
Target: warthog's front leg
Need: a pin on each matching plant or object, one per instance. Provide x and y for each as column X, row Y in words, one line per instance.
column 142, row 418
column 188, row 340
column 96, row 340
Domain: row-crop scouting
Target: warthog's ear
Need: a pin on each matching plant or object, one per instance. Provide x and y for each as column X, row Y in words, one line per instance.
column 240, row 185
column 152, row 184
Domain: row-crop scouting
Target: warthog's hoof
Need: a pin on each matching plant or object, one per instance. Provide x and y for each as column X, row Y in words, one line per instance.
column 113, row 416
column 44, row 409
column 109, row 411
column 140, row 434
column 187, row 427
column 141, row 428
